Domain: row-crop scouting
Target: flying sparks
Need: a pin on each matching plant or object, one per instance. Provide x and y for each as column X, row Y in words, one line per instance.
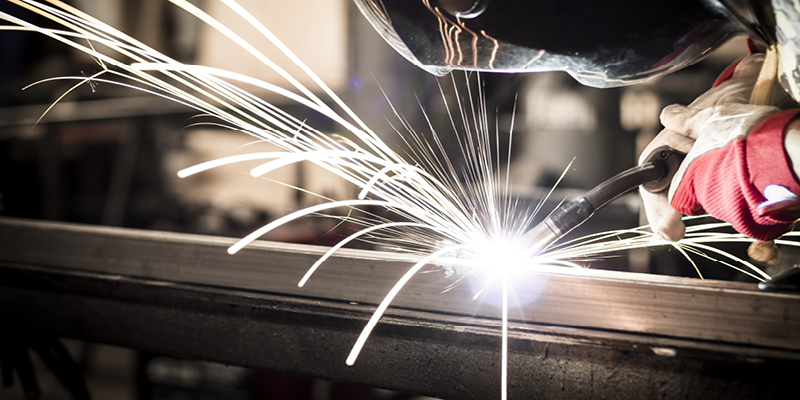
column 462, row 216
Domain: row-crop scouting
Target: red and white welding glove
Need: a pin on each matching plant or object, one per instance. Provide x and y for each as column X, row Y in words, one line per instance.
column 736, row 168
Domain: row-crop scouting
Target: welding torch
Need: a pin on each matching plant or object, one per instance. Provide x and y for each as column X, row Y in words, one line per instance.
column 654, row 175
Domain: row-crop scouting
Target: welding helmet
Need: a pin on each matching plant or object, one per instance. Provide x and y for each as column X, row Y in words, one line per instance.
column 600, row 43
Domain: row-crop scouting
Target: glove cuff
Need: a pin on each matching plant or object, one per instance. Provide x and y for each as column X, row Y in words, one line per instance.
column 728, row 181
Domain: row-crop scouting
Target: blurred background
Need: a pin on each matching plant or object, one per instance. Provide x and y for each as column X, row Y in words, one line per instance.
column 109, row 155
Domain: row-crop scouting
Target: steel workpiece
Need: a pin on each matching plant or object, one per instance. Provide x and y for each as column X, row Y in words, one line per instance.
column 599, row 334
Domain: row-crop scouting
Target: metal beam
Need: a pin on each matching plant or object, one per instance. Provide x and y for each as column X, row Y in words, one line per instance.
column 183, row 295
column 677, row 307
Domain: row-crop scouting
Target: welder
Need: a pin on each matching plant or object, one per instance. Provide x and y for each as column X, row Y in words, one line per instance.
column 741, row 137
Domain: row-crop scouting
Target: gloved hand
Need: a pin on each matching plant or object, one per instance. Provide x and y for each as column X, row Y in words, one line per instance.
column 664, row 220
column 726, row 173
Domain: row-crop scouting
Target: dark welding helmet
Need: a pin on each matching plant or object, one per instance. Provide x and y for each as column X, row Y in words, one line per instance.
column 601, row 43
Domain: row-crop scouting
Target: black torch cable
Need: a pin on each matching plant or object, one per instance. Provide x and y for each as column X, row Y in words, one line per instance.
column 653, row 174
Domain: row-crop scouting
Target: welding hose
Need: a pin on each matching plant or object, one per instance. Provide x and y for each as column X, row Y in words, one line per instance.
column 654, row 174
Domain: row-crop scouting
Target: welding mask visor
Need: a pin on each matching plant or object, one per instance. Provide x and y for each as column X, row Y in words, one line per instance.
column 600, row 43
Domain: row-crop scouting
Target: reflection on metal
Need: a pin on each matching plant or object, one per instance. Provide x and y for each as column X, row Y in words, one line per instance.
column 600, row 45
column 182, row 295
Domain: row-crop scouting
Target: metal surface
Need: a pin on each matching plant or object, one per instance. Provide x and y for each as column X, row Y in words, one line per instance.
column 679, row 307
column 607, row 335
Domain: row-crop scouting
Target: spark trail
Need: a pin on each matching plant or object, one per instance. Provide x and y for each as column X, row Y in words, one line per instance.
column 442, row 212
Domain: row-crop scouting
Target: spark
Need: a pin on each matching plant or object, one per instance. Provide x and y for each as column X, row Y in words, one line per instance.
column 445, row 214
